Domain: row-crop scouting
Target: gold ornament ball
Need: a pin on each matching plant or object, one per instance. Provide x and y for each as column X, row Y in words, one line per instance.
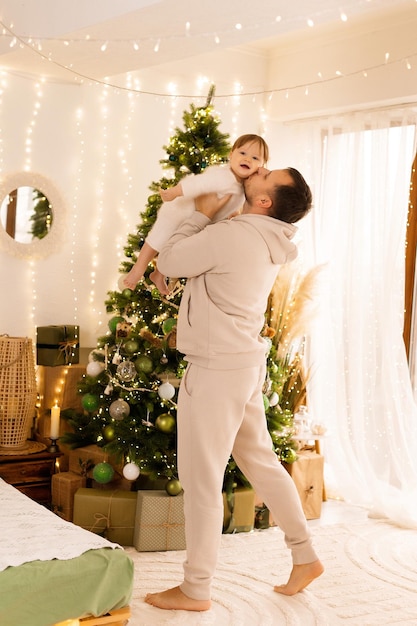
column 165, row 423
column 108, row 432
column 173, row 487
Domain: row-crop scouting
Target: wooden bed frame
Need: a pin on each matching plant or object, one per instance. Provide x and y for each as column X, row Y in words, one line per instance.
column 116, row 617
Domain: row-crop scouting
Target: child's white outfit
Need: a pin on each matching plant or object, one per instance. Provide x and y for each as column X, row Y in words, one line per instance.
column 216, row 178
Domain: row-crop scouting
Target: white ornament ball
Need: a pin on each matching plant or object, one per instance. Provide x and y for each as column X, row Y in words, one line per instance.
column 120, row 282
column 166, row 391
column 94, row 353
column 273, row 399
column 131, row 471
column 119, row 409
column 94, row 368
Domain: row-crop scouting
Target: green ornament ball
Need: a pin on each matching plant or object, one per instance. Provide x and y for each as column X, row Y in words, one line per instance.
column 112, row 323
column 168, row 325
column 108, row 432
column 127, row 293
column 165, row 423
column 173, row 487
column 144, row 364
column 288, row 455
column 131, row 346
column 103, row 473
column 90, row 402
column 156, row 295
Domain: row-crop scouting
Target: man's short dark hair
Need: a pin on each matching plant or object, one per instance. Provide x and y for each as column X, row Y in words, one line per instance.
column 292, row 202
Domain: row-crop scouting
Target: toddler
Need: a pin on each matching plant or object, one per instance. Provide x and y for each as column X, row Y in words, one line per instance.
column 248, row 154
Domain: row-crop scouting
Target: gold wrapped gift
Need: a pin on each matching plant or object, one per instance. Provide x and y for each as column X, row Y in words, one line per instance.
column 307, row 474
column 107, row 513
column 159, row 522
column 239, row 511
column 64, row 487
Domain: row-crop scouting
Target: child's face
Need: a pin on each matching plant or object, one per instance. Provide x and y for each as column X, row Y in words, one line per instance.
column 246, row 160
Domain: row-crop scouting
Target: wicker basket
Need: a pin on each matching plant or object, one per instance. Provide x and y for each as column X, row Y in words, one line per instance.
column 17, row 391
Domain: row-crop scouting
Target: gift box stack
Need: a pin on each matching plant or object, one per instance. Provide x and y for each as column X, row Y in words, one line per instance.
column 149, row 519
column 80, row 474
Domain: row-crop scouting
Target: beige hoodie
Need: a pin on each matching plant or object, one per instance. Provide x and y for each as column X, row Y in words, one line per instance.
column 231, row 267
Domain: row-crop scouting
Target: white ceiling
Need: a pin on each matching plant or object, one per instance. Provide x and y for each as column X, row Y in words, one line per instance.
column 62, row 40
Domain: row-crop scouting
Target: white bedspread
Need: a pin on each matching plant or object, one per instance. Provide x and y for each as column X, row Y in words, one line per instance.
column 29, row 532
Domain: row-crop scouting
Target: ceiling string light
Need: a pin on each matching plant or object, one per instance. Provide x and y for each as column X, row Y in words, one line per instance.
column 264, row 92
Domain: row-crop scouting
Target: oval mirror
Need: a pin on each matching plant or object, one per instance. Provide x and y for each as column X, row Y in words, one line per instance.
column 26, row 214
column 31, row 215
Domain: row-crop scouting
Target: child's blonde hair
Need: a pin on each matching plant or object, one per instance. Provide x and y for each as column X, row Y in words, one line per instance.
column 244, row 139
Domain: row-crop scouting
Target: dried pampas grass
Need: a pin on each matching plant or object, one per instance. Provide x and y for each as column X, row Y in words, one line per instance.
column 292, row 306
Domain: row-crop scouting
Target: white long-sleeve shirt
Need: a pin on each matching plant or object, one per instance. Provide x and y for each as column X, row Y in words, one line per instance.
column 216, row 178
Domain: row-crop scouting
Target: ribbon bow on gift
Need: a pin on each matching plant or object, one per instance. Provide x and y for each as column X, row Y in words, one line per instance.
column 67, row 348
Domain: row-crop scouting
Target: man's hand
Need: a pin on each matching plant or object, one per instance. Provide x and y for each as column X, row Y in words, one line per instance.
column 209, row 204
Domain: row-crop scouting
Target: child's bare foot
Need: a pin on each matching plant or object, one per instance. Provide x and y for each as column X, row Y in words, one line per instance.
column 129, row 282
column 300, row 577
column 159, row 281
column 175, row 599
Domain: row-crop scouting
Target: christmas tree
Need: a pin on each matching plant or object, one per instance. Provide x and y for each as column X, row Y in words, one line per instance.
column 42, row 217
column 130, row 387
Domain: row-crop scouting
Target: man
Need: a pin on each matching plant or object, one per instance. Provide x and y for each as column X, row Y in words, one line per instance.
column 231, row 267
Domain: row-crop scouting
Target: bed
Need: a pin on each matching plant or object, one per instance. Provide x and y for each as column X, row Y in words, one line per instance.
column 52, row 570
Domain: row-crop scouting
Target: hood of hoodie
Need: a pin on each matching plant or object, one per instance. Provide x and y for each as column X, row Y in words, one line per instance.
column 276, row 234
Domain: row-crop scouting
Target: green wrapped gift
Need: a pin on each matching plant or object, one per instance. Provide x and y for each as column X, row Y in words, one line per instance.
column 57, row 345
column 110, row 514
column 159, row 522
column 239, row 511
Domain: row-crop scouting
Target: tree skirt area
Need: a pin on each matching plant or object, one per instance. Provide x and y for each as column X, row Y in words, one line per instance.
column 370, row 579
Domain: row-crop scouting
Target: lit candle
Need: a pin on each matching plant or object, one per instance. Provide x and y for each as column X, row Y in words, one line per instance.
column 55, row 413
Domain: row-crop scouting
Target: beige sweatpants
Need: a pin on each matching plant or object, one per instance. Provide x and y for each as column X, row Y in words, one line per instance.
column 219, row 413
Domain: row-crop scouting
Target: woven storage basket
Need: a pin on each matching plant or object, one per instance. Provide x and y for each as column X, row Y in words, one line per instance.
column 17, row 391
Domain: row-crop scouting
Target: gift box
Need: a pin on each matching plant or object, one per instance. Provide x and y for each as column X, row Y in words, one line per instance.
column 57, row 345
column 262, row 517
column 239, row 511
column 110, row 514
column 82, row 460
column 64, row 487
column 307, row 474
column 160, row 523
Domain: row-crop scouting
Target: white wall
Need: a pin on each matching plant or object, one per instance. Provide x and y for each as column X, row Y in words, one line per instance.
column 101, row 148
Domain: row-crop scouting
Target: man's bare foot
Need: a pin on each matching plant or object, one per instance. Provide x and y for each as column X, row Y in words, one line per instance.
column 159, row 281
column 175, row 599
column 300, row 577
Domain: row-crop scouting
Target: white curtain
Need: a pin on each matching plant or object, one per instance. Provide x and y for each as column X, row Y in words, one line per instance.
column 359, row 166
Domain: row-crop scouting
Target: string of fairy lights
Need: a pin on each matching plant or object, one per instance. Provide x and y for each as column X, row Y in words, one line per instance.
column 36, row 46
